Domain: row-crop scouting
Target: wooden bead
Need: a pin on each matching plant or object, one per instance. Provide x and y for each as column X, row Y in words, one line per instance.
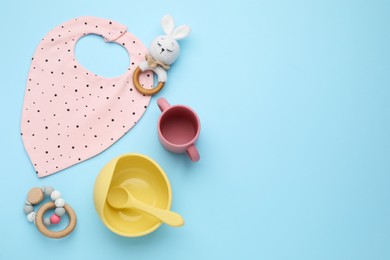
column 35, row 196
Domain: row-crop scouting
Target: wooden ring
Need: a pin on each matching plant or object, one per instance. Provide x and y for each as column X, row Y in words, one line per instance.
column 55, row 234
column 142, row 90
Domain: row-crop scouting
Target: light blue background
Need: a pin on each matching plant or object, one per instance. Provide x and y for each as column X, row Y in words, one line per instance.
column 293, row 98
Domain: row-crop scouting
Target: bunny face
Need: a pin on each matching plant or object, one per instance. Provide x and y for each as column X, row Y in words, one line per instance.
column 165, row 49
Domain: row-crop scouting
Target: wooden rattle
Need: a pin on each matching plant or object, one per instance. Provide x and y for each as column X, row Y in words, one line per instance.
column 36, row 196
column 164, row 50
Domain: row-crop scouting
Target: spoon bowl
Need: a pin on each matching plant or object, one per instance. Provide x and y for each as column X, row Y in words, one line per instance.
column 145, row 180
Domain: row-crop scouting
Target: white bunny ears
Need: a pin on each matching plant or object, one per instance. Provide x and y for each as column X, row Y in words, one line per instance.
column 168, row 26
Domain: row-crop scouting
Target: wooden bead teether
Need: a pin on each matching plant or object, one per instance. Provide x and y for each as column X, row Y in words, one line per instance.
column 36, row 196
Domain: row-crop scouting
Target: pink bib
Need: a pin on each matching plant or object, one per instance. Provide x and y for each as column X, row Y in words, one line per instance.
column 71, row 114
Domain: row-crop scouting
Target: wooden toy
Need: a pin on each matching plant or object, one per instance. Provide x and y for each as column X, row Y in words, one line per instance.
column 163, row 51
column 36, row 196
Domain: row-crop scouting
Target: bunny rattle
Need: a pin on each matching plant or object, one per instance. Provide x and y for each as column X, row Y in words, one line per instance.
column 164, row 50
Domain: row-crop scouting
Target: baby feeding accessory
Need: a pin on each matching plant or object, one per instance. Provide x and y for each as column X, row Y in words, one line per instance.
column 178, row 129
column 36, row 196
column 70, row 114
column 137, row 179
column 164, row 50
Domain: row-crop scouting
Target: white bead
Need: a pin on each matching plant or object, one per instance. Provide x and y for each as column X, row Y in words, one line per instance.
column 47, row 221
column 31, row 217
column 48, row 190
column 59, row 203
column 28, row 209
column 59, row 211
column 55, row 195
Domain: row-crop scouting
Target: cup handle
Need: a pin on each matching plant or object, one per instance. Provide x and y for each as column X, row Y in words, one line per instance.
column 193, row 153
column 163, row 104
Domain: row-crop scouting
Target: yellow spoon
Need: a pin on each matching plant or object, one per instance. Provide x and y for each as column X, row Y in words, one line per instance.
column 121, row 198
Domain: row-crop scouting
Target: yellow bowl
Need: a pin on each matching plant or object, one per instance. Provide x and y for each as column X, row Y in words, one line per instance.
column 146, row 181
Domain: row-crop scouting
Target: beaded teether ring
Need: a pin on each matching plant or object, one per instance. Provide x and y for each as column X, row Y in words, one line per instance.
column 36, row 196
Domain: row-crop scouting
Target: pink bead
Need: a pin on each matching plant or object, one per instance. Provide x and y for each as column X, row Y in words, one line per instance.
column 54, row 219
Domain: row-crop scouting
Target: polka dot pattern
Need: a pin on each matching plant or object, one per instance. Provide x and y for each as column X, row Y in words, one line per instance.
column 71, row 114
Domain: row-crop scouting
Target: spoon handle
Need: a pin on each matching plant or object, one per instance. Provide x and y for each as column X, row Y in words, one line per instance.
column 171, row 218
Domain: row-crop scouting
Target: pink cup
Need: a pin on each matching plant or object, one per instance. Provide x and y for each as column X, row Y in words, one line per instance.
column 178, row 129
